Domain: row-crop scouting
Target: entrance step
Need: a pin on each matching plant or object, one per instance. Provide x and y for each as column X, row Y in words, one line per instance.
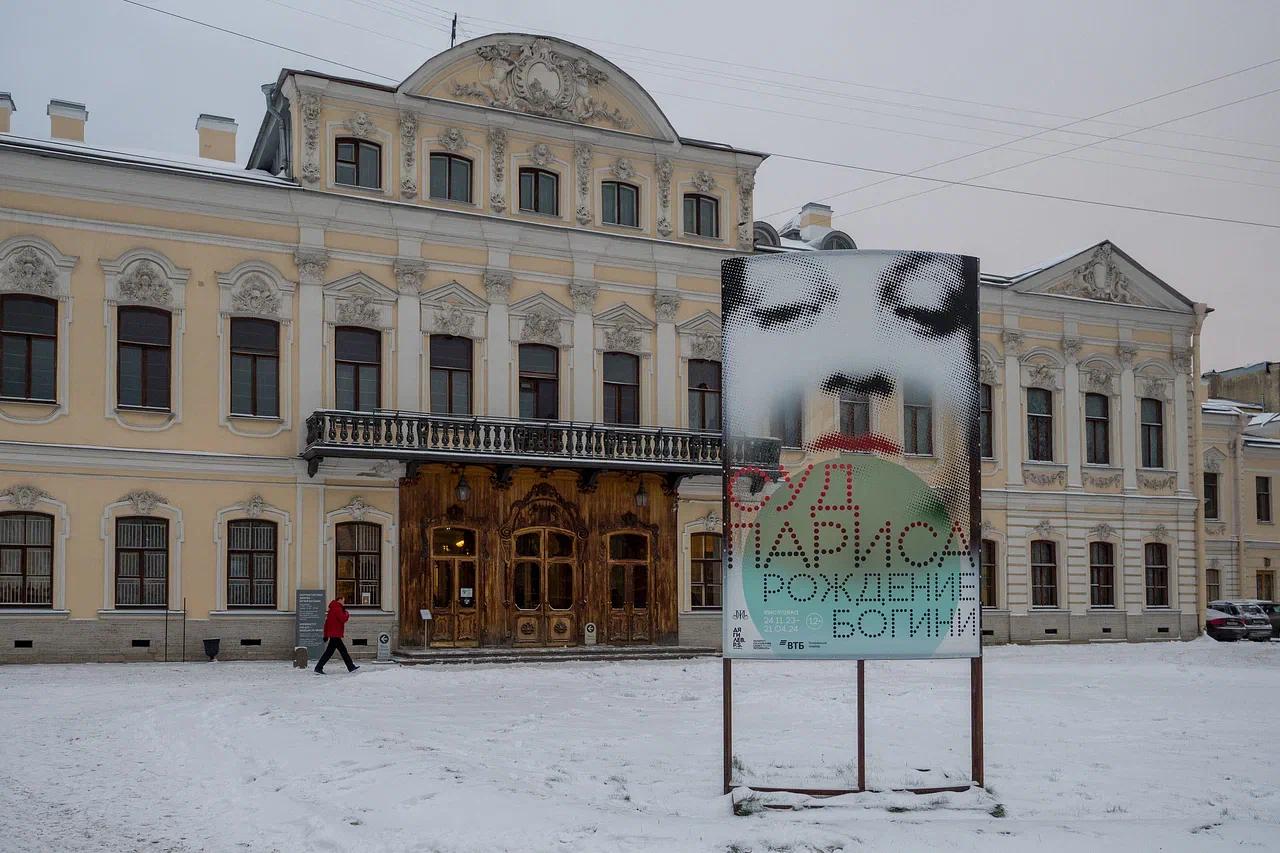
column 417, row 657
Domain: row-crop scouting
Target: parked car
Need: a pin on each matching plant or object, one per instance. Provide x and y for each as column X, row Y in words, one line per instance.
column 1222, row 626
column 1272, row 611
column 1256, row 624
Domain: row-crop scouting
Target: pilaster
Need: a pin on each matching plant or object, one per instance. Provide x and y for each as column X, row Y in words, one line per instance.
column 1128, row 417
column 666, row 304
column 1013, row 423
column 410, row 273
column 312, row 262
column 1072, row 404
column 497, row 287
column 583, row 355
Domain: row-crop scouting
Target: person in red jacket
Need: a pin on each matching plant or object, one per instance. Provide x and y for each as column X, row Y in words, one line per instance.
column 334, row 627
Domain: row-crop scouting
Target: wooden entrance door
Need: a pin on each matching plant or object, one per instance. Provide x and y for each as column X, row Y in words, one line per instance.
column 455, row 587
column 630, row 573
column 543, row 585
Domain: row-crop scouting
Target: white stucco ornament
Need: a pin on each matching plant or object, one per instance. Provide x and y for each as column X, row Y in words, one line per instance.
column 145, row 282
column 24, row 496
column 29, row 271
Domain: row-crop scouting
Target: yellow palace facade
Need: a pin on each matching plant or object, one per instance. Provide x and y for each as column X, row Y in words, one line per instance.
column 448, row 346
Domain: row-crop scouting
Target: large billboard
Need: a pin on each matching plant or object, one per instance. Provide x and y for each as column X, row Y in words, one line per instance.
column 851, row 418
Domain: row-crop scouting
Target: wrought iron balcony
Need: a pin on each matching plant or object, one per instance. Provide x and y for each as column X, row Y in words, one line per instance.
column 423, row 437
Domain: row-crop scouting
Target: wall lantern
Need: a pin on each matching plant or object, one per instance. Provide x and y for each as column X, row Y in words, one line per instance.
column 463, row 489
column 642, row 497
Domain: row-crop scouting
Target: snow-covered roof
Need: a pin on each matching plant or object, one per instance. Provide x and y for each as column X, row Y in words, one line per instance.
column 1264, row 419
column 144, row 159
column 1221, row 406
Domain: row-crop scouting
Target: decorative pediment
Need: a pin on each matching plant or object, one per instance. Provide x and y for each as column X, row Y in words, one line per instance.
column 540, row 76
column 624, row 314
column 358, row 300
column 701, row 337
column 454, row 293
column 255, row 289
column 453, row 310
column 33, row 265
column 24, row 496
column 540, row 319
column 144, row 501
column 990, row 371
column 1104, row 273
column 145, row 277
column 1213, row 459
column 1039, row 371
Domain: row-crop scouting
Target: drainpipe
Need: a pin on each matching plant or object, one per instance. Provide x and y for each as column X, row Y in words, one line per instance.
column 1197, row 461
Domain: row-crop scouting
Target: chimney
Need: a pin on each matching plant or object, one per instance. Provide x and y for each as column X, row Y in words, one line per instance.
column 217, row 137
column 7, row 109
column 66, row 120
column 814, row 221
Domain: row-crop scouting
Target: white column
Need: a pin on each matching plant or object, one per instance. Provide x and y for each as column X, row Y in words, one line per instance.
column 312, row 358
column 667, row 358
column 1071, row 408
column 584, row 344
column 1183, row 436
column 1128, row 417
column 497, row 287
column 1013, row 409
column 410, row 273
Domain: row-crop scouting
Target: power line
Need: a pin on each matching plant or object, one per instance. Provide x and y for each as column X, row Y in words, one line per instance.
column 756, row 69
column 259, row 41
column 1077, row 148
column 1029, row 193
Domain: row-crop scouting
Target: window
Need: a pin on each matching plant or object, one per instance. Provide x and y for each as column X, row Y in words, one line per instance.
column 628, row 561
column 1157, row 561
column 358, row 368
column 619, row 204
column 1044, row 573
column 450, row 178
column 1211, row 495
column 26, row 559
column 704, row 394
column 1262, row 494
column 539, row 382
column 251, row 564
column 358, row 572
column 1213, row 584
column 1097, row 429
column 142, row 358
column 450, row 375
column 1040, row 424
column 142, row 562
column 855, row 414
column 787, row 421
column 917, row 420
column 539, row 192
column 985, row 442
column 28, row 348
column 1152, row 433
column 1102, row 575
column 705, row 567
column 1265, row 586
column 358, row 164
column 255, row 367
column 453, row 558
column 702, row 216
column 621, row 388
column 988, row 566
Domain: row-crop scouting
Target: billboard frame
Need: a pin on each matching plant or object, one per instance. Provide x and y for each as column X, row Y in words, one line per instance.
column 976, row 716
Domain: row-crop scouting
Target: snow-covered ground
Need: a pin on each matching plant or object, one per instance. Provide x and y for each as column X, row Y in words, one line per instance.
column 1115, row 747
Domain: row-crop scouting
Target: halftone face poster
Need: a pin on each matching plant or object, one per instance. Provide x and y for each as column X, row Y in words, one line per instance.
column 851, row 423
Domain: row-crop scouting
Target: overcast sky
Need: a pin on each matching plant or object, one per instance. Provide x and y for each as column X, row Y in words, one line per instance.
column 822, row 80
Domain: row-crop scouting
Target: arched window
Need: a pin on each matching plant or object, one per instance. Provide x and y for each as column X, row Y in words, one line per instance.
column 450, row 375
column 1156, row 557
column 358, row 368
column 621, row 388
column 986, row 442
column 450, row 177
column 1152, row 433
column 357, row 163
column 1102, row 574
column 619, row 203
column 144, row 340
column 28, row 348
column 837, row 241
column 1044, row 573
column 142, row 562
column 539, row 192
column 251, row 563
column 255, row 367
column 704, row 394
column 1039, row 425
column 358, row 571
column 989, row 572
column 539, row 382
column 701, row 215
column 706, row 566
column 1097, row 429
column 26, row 559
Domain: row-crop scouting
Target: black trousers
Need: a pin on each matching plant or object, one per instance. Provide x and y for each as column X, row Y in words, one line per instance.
column 335, row 645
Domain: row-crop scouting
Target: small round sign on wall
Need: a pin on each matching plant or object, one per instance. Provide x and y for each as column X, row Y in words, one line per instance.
column 589, row 633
